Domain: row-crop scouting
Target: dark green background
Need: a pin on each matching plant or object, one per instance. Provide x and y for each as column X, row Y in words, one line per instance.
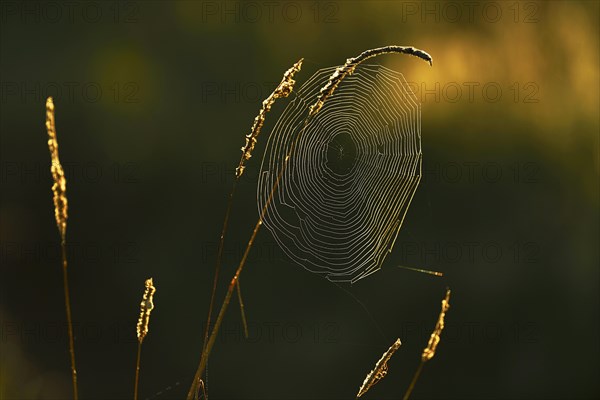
column 149, row 162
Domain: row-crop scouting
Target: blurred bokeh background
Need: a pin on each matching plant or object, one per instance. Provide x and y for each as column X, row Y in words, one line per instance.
column 153, row 99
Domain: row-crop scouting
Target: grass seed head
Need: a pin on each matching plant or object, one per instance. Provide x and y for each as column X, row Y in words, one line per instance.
column 434, row 339
column 380, row 370
column 284, row 89
column 59, row 188
column 351, row 64
column 146, row 307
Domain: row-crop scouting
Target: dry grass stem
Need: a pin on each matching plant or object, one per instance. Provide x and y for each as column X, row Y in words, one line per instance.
column 213, row 336
column 242, row 310
column 146, row 307
column 380, row 369
column 434, row 340
column 351, row 64
column 282, row 90
column 217, row 268
column 59, row 190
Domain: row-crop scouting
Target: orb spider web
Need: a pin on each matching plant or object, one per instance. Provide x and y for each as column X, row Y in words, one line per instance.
column 342, row 195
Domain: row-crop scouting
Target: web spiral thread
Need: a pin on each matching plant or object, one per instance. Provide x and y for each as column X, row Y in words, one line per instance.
column 344, row 192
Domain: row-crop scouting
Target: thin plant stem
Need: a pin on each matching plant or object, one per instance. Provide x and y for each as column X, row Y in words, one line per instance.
column 137, row 371
column 69, row 319
column 244, row 322
column 414, row 381
column 59, row 190
column 434, row 340
column 284, row 88
column 232, row 284
column 218, row 268
column 218, row 265
column 215, row 330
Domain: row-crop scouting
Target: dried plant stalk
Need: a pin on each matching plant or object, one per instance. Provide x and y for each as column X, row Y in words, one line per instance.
column 232, row 284
column 351, row 64
column 59, row 190
column 282, row 90
column 380, row 369
column 242, row 310
column 146, row 307
column 434, row 340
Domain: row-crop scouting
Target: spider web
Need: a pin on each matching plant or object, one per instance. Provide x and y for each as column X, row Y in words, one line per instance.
column 345, row 190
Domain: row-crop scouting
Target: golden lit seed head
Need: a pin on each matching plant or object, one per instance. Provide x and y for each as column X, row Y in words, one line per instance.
column 434, row 339
column 284, row 89
column 59, row 188
column 380, row 370
column 146, row 307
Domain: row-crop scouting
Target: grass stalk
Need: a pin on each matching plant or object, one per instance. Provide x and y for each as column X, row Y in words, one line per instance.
column 215, row 330
column 69, row 318
column 137, row 371
column 218, row 265
column 142, row 327
column 434, row 340
column 414, row 380
column 284, row 88
column 59, row 190
column 242, row 311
